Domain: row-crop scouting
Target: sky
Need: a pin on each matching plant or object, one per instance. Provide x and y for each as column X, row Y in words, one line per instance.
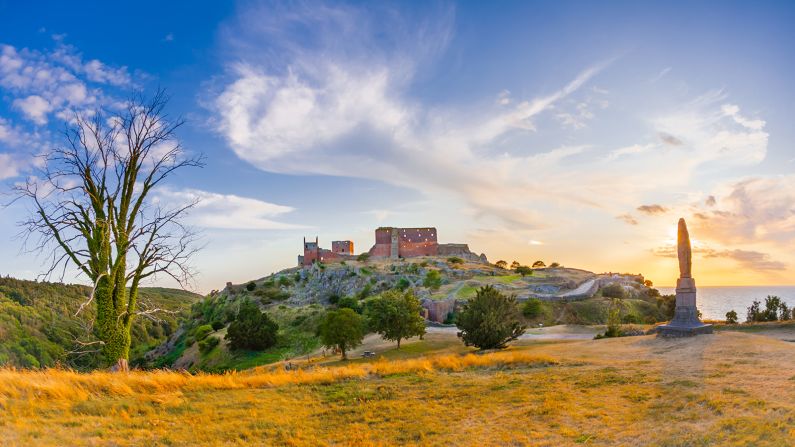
column 577, row 132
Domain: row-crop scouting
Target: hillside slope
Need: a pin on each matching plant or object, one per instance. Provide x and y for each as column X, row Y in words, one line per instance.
column 296, row 299
column 38, row 326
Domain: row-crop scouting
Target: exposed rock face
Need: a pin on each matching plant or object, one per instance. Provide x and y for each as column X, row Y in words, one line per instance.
column 166, row 347
column 438, row 310
column 462, row 251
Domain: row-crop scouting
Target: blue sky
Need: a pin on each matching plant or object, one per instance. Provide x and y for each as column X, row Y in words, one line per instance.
column 575, row 132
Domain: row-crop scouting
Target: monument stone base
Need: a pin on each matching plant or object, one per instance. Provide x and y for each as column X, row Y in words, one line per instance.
column 685, row 322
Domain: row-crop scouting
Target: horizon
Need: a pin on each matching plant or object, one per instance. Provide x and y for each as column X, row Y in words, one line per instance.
column 525, row 131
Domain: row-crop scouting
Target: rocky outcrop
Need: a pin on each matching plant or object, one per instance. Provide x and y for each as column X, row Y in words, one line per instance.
column 462, row 251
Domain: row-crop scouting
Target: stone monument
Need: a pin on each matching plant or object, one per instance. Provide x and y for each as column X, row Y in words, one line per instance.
column 685, row 322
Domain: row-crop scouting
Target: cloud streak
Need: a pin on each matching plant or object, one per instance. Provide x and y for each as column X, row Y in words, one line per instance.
column 346, row 112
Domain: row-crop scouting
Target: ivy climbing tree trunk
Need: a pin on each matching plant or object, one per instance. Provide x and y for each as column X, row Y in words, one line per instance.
column 94, row 210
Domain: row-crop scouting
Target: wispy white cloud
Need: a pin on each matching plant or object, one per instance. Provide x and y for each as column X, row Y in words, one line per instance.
column 660, row 75
column 227, row 211
column 346, row 112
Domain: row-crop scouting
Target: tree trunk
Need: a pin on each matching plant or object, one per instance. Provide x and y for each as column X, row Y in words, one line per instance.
column 122, row 365
column 344, row 354
column 398, row 343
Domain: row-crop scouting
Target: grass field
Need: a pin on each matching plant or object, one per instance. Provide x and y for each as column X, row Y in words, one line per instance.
column 730, row 388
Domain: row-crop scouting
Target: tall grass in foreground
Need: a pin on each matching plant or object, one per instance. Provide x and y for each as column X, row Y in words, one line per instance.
column 60, row 384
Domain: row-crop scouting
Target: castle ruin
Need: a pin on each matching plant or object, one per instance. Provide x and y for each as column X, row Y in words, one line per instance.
column 390, row 243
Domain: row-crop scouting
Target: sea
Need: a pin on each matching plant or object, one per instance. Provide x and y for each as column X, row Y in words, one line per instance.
column 714, row 302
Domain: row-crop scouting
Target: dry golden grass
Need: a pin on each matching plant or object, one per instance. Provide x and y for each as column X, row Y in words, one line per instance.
column 723, row 389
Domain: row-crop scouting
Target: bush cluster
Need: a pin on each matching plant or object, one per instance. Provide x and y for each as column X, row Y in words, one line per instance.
column 775, row 309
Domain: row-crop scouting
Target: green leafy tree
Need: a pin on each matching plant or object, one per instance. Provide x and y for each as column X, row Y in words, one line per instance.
column 396, row 316
column 731, row 317
column 754, row 312
column 515, row 264
column 524, row 270
column 554, row 265
column 364, row 257
column 433, row 280
column 539, row 265
column 501, row 264
column 251, row 286
column 455, row 260
column 342, row 329
column 772, row 306
column 490, row 320
column 251, row 329
column 91, row 206
column 785, row 313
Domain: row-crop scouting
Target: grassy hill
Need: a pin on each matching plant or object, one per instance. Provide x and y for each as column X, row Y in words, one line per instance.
column 730, row 388
column 296, row 299
column 38, row 326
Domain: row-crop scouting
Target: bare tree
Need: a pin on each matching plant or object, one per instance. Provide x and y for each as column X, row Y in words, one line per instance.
column 92, row 207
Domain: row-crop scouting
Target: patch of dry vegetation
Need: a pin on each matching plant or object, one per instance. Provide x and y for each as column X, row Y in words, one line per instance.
column 723, row 389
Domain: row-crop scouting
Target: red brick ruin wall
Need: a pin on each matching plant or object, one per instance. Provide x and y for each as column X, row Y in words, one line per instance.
column 345, row 247
column 410, row 249
column 417, row 242
column 411, row 242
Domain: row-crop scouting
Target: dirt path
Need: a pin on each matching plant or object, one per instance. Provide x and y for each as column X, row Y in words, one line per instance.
column 560, row 332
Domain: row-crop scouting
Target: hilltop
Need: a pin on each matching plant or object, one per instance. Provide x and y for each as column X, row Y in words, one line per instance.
column 38, row 326
column 297, row 297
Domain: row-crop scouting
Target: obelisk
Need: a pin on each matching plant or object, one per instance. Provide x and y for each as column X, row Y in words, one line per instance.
column 685, row 322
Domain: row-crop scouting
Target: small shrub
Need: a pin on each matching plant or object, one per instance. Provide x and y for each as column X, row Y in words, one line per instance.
column 251, row 286
column 532, row 308
column 334, row 298
column 731, row 317
column 364, row 257
column 554, row 265
column 202, row 332
column 433, row 280
column 217, row 325
column 667, row 306
column 284, row 281
column 450, row 318
column 208, row 344
column 403, row 284
column 630, row 319
column 613, row 321
column 189, row 341
column 539, row 265
column 524, row 270
column 613, row 291
column 455, row 260
column 365, row 292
